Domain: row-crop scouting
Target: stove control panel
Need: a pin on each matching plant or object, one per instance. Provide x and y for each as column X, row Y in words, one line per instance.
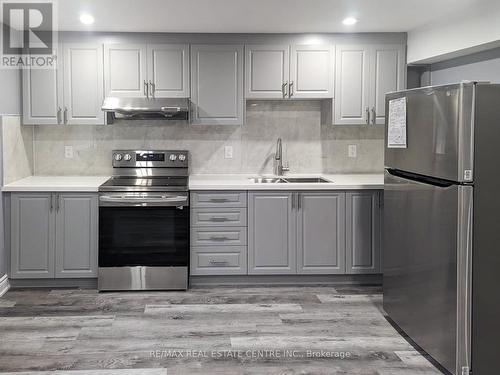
column 150, row 159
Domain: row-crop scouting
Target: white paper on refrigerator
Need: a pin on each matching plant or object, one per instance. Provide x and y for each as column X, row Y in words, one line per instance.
column 396, row 124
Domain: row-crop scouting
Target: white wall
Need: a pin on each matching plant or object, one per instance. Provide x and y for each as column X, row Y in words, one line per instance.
column 474, row 30
column 482, row 66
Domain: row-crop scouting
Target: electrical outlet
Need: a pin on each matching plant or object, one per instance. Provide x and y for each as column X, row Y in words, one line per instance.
column 228, row 152
column 68, row 152
column 352, row 151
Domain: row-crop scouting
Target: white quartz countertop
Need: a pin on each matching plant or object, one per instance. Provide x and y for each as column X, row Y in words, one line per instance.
column 244, row 182
column 57, row 183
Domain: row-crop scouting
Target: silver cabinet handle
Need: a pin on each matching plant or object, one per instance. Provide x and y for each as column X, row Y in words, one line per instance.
column 367, row 115
column 65, row 115
column 52, row 202
column 218, row 200
column 218, row 262
column 219, row 238
column 58, row 202
column 374, row 116
column 290, row 89
column 152, row 88
column 59, row 110
column 218, row 218
column 299, row 203
column 146, row 91
column 283, row 89
column 293, row 201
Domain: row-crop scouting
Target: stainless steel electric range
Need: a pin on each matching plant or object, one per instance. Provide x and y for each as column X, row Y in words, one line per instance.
column 144, row 222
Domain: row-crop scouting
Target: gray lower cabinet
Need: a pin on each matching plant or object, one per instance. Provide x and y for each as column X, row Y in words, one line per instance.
column 53, row 235
column 32, row 236
column 321, row 233
column 363, row 217
column 76, row 235
column 272, row 231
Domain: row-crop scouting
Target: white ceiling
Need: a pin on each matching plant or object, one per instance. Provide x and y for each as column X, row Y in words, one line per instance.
column 256, row 16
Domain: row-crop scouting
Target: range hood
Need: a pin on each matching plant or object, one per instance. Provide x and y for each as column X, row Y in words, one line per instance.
column 146, row 109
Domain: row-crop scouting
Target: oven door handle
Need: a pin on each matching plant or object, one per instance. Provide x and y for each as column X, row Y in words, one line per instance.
column 124, row 200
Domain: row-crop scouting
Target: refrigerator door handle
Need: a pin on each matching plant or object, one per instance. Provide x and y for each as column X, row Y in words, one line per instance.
column 464, row 279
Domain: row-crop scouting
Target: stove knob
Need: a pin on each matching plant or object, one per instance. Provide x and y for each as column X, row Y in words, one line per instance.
column 127, row 157
column 173, row 157
column 182, row 157
column 118, row 157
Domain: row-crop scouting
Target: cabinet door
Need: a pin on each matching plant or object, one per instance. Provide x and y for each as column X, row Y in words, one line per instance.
column 311, row 71
column 271, row 233
column 42, row 96
column 217, row 84
column 76, row 235
column 387, row 74
column 266, row 71
column 321, row 233
column 125, row 70
column 32, row 236
column 168, row 70
column 83, row 84
column 352, row 84
column 363, row 232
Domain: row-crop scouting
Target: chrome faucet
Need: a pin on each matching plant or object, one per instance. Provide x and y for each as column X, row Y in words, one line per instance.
column 278, row 156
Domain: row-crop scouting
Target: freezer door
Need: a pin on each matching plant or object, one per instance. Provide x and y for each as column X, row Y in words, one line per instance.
column 439, row 132
column 420, row 244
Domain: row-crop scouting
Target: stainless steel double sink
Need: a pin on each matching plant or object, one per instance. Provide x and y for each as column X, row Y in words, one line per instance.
column 289, row 180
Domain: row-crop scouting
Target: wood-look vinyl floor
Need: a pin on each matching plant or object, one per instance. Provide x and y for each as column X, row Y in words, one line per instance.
column 248, row 330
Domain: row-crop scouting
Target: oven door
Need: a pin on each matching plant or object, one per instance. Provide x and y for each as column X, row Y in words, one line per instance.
column 143, row 241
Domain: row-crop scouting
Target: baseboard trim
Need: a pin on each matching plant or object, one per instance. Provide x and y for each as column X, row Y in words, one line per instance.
column 288, row 280
column 90, row 283
column 4, row 284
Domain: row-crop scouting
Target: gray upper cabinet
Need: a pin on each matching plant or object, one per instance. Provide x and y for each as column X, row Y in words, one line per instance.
column 125, row 70
column 321, row 233
column 312, row 70
column 71, row 94
column 271, row 233
column 266, row 71
column 42, row 96
column 53, row 235
column 217, row 84
column 168, row 70
column 352, row 84
column 32, row 240
column 387, row 74
column 364, row 74
column 83, row 84
column 76, row 235
column 363, row 217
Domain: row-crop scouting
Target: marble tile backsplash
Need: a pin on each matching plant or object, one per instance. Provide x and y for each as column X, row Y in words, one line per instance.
column 17, row 146
column 308, row 145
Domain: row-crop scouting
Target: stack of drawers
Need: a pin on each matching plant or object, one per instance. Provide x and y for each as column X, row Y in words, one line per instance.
column 218, row 233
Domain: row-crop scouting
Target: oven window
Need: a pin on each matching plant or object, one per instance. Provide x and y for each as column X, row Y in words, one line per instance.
column 143, row 236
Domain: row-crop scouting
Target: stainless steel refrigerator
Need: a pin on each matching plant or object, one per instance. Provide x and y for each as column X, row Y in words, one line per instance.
column 441, row 238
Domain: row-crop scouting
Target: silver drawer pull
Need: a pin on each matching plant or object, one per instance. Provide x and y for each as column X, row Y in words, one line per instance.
column 219, row 238
column 219, row 200
column 218, row 262
column 218, row 218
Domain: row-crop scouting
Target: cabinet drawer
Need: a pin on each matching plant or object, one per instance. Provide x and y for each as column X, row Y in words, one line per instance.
column 219, row 199
column 219, row 217
column 223, row 260
column 218, row 236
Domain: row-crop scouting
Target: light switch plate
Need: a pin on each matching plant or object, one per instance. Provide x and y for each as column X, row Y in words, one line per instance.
column 68, row 152
column 228, row 152
column 352, row 151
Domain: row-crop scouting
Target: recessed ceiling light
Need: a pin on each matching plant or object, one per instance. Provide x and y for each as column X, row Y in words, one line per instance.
column 349, row 21
column 87, row 19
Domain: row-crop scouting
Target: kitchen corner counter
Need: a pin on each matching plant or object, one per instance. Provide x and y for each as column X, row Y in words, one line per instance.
column 56, row 184
column 244, row 182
